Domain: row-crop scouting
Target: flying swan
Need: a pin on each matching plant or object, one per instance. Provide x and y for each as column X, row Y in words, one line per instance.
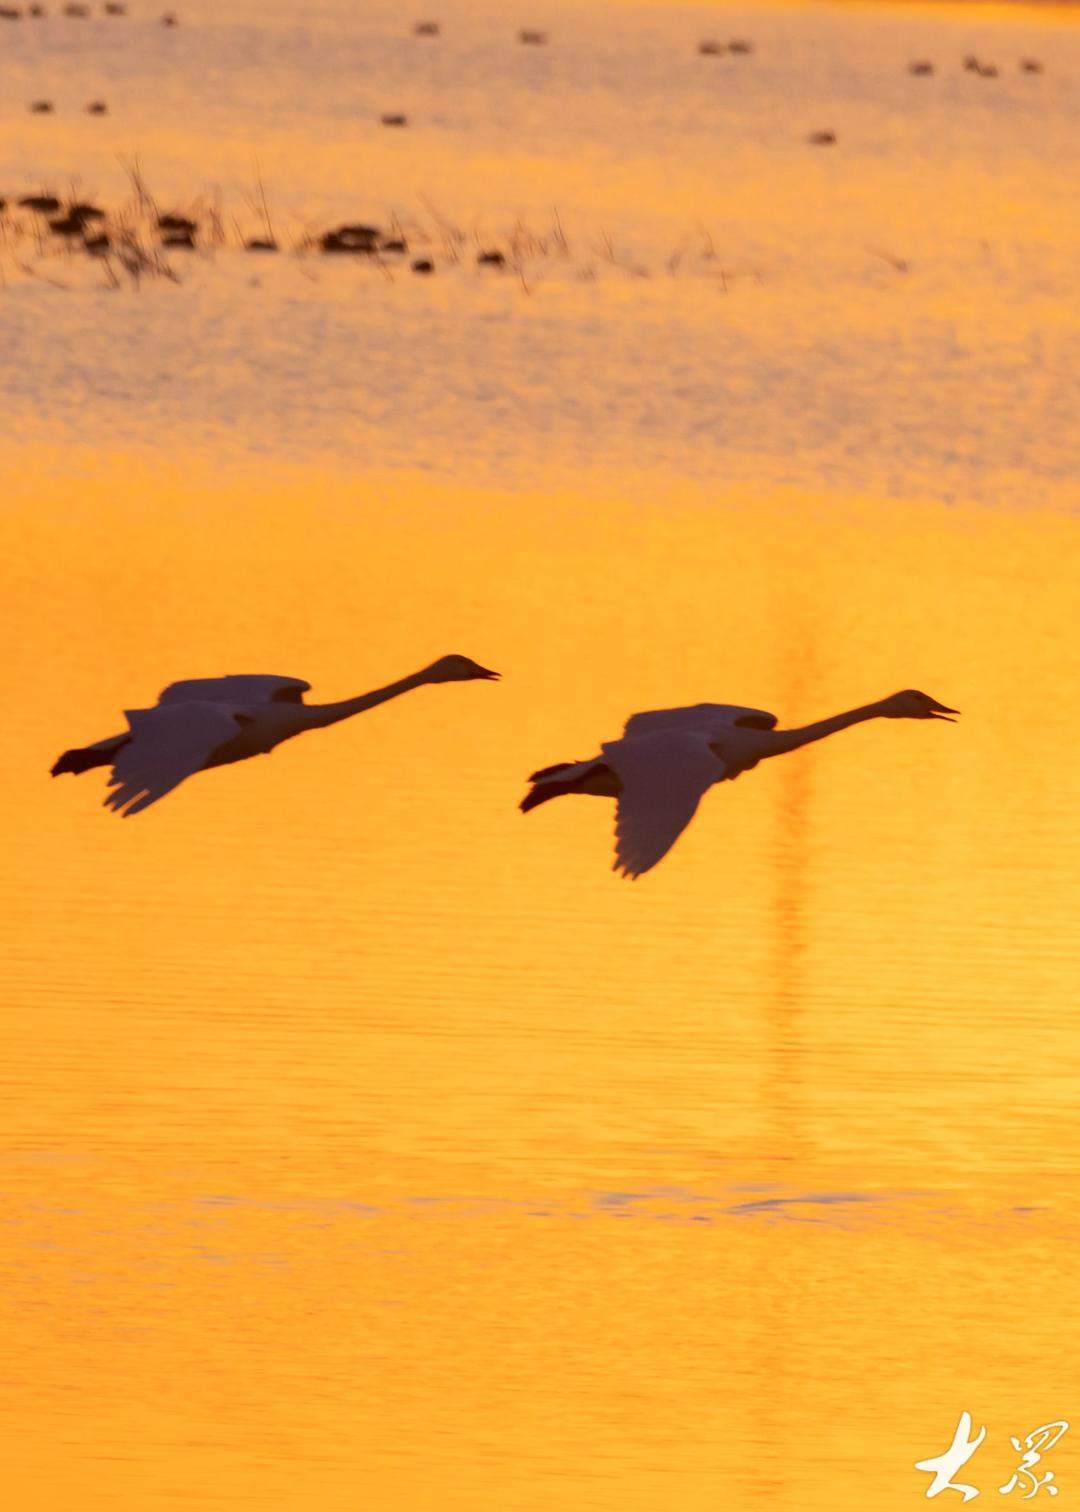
column 666, row 761
column 210, row 721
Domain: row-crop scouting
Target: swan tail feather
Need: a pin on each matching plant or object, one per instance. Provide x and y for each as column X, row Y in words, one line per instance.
column 594, row 777
column 549, row 771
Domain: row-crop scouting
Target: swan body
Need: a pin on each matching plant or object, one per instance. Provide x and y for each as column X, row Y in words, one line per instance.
column 665, row 762
column 213, row 721
column 242, row 689
column 720, row 718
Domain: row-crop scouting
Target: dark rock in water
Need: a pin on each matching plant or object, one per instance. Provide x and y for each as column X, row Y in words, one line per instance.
column 67, row 225
column 37, row 11
column 98, row 244
column 423, row 265
column 1030, row 65
column 921, row 66
column 971, row 63
column 822, row 138
column 394, row 120
column 185, row 239
column 114, row 8
column 3, row 204
column 10, row 13
column 710, row 49
column 987, row 71
column 532, row 38
column 83, row 211
column 352, row 238
column 261, row 244
column 97, row 107
column 739, row 46
column 41, row 107
column 79, row 12
column 44, row 204
column 168, row 19
column 177, row 223
column 491, row 259
column 426, row 28
column 394, row 244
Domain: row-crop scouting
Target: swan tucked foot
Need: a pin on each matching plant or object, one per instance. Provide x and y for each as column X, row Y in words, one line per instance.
column 83, row 758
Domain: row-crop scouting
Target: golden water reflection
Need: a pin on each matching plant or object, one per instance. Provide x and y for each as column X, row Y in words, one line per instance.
column 373, row 1145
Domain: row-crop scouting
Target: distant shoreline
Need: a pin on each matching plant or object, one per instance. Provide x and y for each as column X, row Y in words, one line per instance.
column 1068, row 9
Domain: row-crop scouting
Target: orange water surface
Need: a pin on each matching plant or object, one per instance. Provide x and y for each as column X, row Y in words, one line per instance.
column 374, row 1146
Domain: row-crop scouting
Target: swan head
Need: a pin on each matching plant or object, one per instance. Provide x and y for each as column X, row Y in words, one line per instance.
column 458, row 669
column 911, row 704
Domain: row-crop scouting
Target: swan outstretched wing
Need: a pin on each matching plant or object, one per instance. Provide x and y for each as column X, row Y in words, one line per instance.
column 242, row 688
column 663, row 777
column 703, row 717
column 166, row 745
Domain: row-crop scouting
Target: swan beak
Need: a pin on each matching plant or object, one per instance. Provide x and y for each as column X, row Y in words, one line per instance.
column 490, row 676
column 942, row 711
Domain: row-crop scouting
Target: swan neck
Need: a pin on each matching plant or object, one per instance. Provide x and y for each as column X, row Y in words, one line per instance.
column 791, row 740
column 332, row 713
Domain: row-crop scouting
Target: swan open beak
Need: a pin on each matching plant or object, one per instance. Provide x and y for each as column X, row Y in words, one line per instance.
column 491, row 676
column 942, row 711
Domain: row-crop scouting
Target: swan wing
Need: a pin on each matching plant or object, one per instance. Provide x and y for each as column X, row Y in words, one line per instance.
column 663, row 777
column 242, row 688
column 166, row 745
column 699, row 717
